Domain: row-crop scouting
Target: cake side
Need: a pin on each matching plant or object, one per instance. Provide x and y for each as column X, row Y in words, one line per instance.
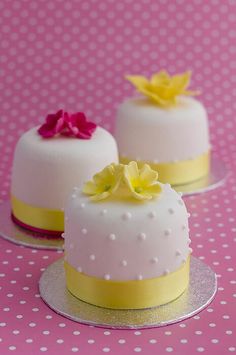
column 145, row 131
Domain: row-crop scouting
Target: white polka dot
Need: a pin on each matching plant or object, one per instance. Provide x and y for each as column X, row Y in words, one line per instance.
column 43, row 348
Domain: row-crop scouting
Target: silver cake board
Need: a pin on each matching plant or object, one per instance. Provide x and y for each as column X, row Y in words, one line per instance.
column 18, row 235
column 216, row 178
column 201, row 291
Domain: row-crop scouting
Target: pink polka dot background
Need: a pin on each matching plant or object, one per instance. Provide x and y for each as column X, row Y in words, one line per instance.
column 74, row 55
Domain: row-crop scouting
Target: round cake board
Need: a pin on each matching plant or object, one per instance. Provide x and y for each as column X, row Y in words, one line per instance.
column 15, row 234
column 216, row 178
column 201, row 291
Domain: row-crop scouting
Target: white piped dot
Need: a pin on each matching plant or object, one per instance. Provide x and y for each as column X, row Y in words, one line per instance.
column 154, row 260
column 167, row 185
column 124, row 263
column 178, row 252
column 152, row 214
column 103, row 212
column 73, row 196
column 171, row 211
column 167, row 232
column 188, row 214
column 166, row 272
column 180, row 194
column 112, row 236
column 63, row 235
column 84, row 231
column 92, row 257
column 139, row 277
column 75, row 190
column 66, row 218
column 82, row 205
column 79, row 268
column 189, row 241
column 71, row 246
column 142, row 236
column 190, row 250
column 126, row 216
column 107, row 277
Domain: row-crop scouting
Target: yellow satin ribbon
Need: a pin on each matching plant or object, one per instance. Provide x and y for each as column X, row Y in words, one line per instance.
column 180, row 172
column 38, row 217
column 127, row 294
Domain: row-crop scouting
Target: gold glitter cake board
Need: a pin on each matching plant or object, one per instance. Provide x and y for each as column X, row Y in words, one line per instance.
column 15, row 234
column 216, row 178
column 201, row 291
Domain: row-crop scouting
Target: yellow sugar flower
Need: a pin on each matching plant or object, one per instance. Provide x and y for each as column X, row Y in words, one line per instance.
column 162, row 88
column 142, row 183
column 104, row 183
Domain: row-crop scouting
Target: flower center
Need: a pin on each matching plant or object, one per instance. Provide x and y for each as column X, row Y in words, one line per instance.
column 138, row 189
column 107, row 187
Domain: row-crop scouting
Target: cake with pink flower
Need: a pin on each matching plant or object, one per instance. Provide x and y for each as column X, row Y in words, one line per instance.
column 49, row 161
column 165, row 127
column 126, row 239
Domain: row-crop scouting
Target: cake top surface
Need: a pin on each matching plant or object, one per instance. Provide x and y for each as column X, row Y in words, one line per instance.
column 162, row 88
column 124, row 182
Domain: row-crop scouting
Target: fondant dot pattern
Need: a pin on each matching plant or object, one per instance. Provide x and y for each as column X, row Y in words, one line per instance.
column 74, row 55
column 118, row 239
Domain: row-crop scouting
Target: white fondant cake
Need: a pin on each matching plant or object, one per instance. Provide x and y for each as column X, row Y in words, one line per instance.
column 126, row 246
column 165, row 128
column 120, row 240
column 46, row 170
column 147, row 132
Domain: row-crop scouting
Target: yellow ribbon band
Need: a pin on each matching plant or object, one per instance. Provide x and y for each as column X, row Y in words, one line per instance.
column 37, row 217
column 127, row 294
column 180, row 172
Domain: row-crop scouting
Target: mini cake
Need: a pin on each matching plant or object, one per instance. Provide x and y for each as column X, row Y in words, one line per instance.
column 49, row 161
column 126, row 240
column 165, row 128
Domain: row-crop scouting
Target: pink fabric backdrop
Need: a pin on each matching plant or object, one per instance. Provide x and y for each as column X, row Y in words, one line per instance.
column 74, row 55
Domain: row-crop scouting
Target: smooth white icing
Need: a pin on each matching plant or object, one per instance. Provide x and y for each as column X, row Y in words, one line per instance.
column 129, row 240
column 145, row 131
column 46, row 170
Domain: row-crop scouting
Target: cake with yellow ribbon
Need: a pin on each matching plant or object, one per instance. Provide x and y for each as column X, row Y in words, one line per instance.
column 49, row 161
column 126, row 240
column 165, row 127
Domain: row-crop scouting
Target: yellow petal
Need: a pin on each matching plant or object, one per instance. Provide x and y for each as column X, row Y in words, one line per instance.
column 181, row 81
column 104, row 176
column 101, row 196
column 161, row 78
column 137, row 80
column 154, row 189
column 131, row 170
column 154, row 97
column 90, row 188
column 147, row 175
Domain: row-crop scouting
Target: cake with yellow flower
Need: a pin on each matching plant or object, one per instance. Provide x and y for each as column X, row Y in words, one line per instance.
column 165, row 127
column 49, row 161
column 126, row 240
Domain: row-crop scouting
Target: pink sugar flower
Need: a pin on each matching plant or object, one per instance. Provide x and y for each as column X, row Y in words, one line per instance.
column 78, row 126
column 71, row 125
column 54, row 124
